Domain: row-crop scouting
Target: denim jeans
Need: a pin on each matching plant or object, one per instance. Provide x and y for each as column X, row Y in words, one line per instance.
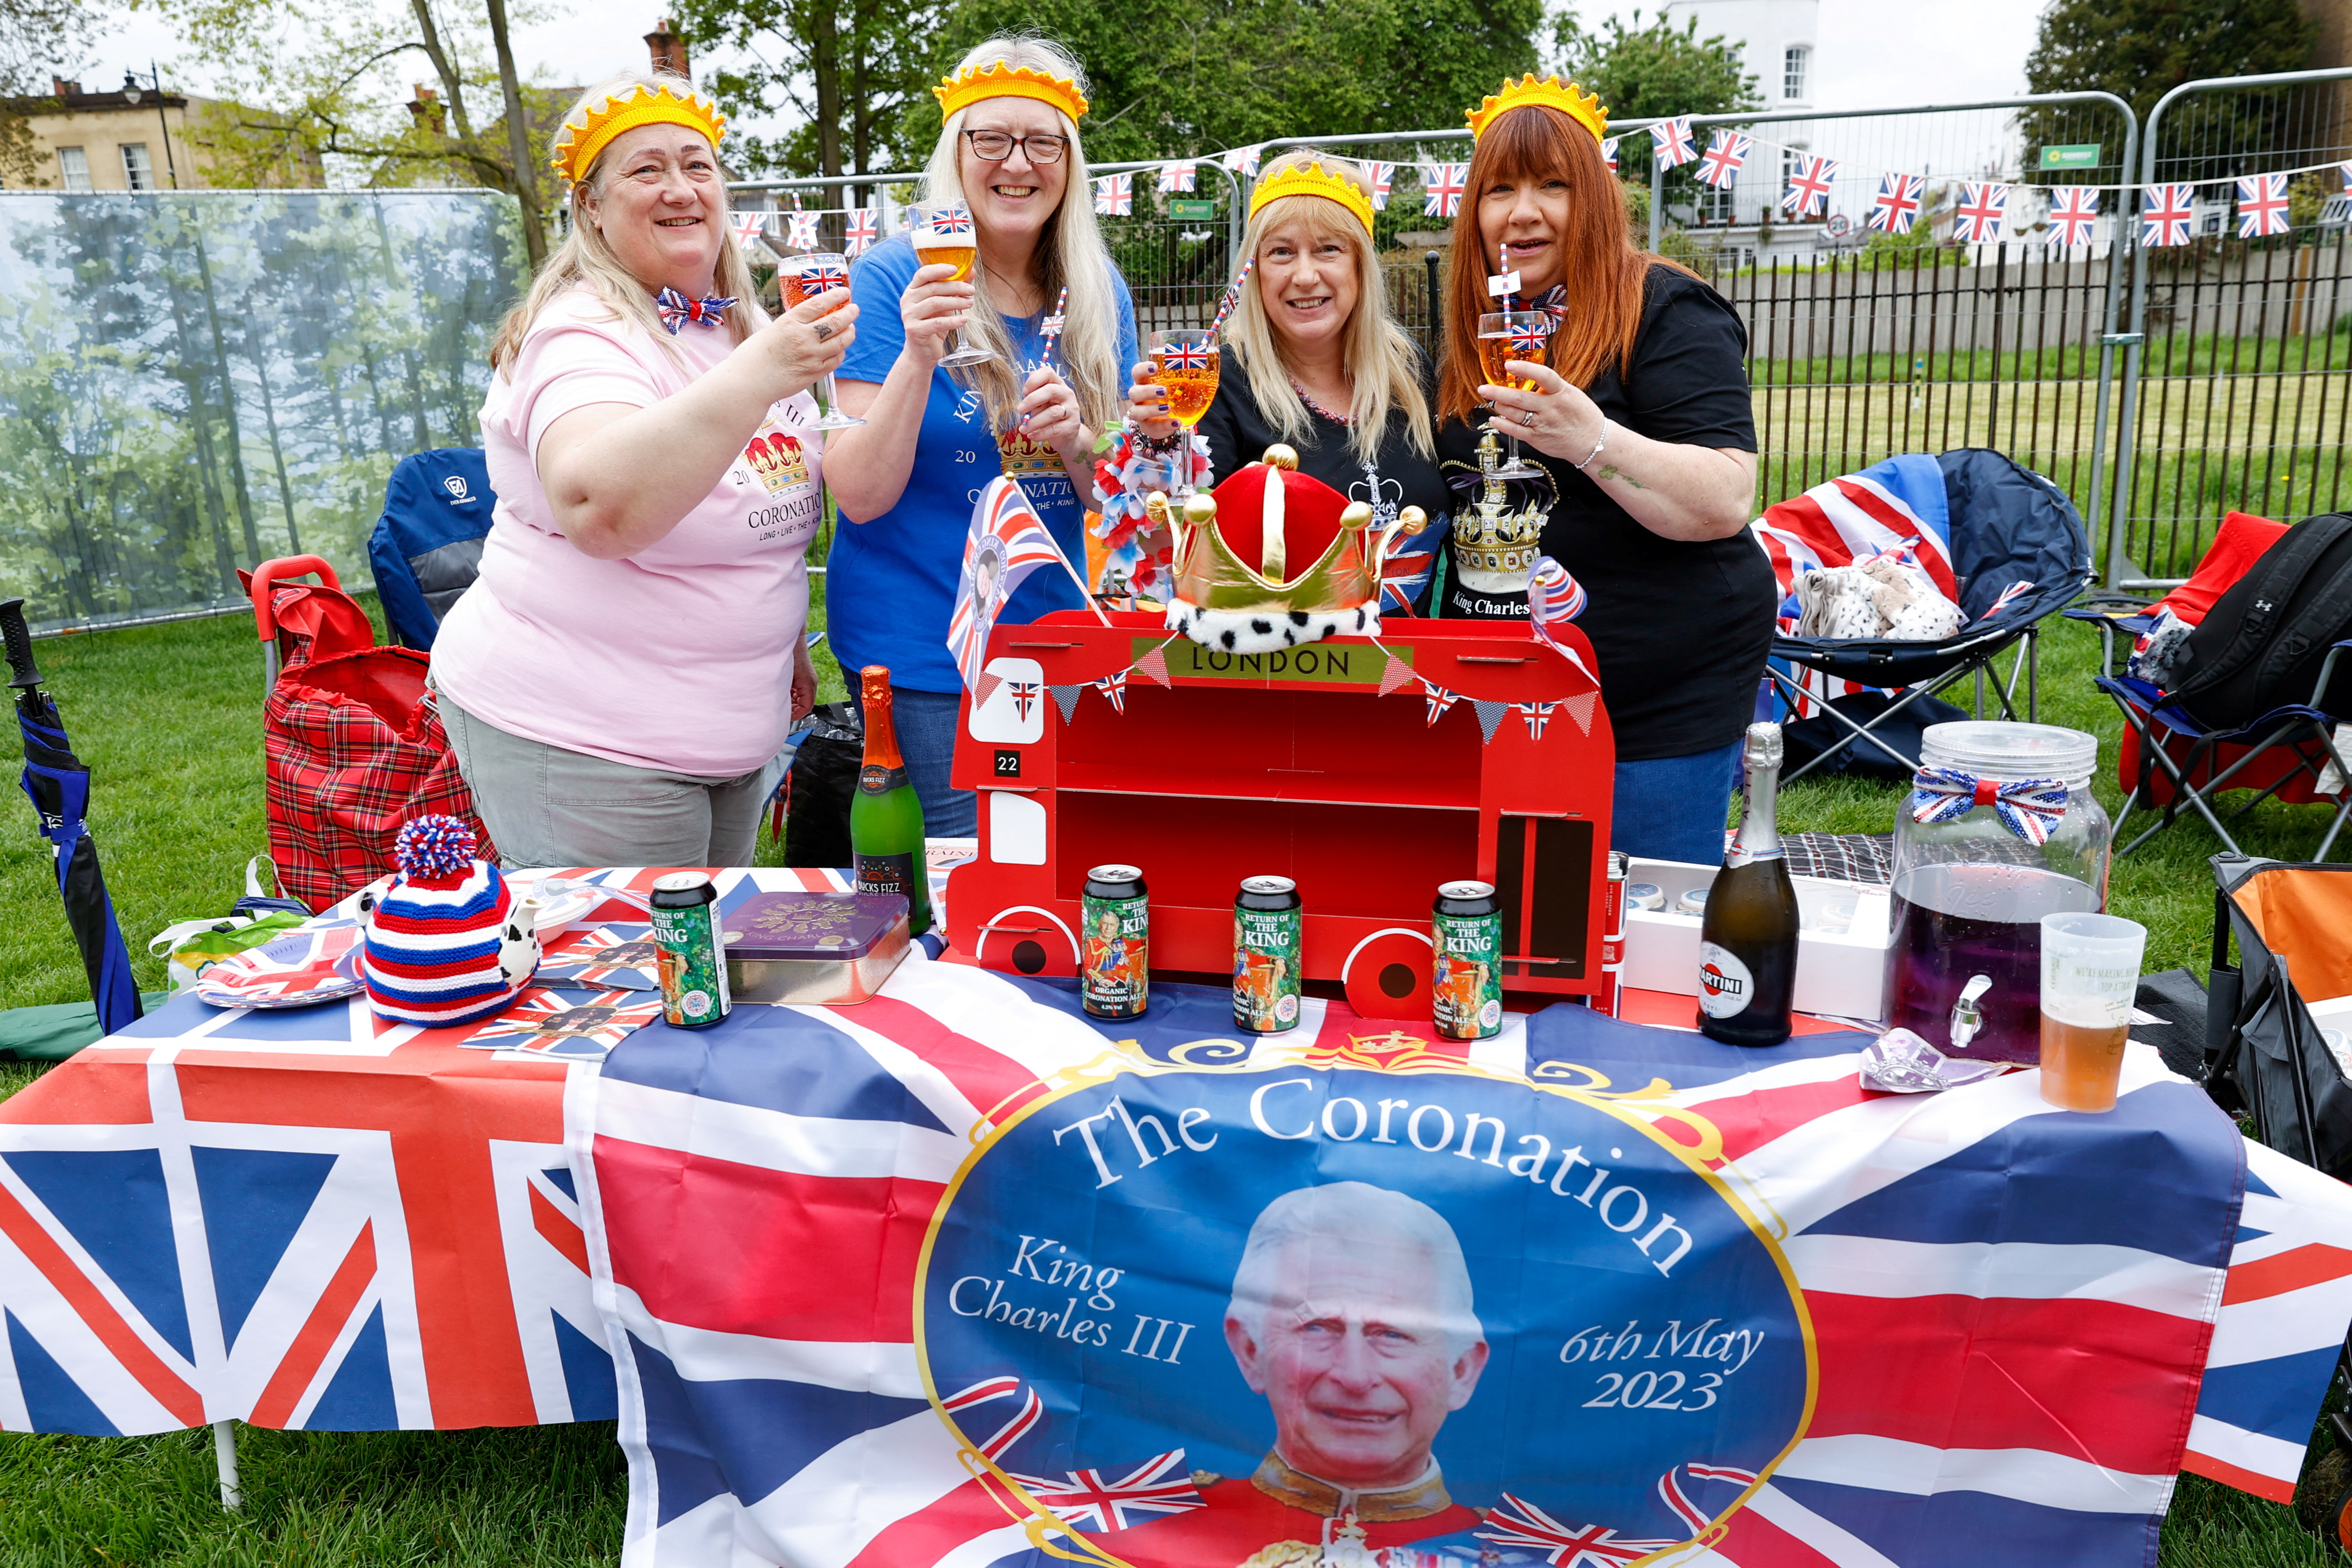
column 1674, row 808
column 926, row 726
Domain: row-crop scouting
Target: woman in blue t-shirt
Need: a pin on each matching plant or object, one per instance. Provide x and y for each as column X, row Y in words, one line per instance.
column 906, row 479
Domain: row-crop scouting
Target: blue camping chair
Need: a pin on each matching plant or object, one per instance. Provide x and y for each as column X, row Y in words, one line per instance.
column 427, row 545
column 2007, row 525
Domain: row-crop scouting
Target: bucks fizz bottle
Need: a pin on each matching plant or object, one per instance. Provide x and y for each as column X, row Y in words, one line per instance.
column 886, row 820
column 1747, row 940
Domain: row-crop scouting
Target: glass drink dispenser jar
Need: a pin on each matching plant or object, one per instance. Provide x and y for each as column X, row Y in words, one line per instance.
column 2000, row 829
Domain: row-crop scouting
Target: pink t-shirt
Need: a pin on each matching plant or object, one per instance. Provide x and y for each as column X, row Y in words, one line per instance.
column 679, row 656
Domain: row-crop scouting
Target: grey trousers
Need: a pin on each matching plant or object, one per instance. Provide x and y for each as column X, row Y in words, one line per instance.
column 548, row 806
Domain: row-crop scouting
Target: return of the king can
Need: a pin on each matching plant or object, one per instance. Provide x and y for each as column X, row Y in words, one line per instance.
column 693, row 966
column 1466, row 982
column 1265, row 955
column 1113, row 981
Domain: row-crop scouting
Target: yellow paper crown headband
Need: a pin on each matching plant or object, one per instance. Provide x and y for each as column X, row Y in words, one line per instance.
column 1314, row 180
column 998, row 80
column 1582, row 107
column 588, row 131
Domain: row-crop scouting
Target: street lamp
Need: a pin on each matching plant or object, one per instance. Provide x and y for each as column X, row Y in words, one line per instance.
column 132, row 91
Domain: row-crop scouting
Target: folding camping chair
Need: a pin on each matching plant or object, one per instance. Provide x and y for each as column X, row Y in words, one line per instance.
column 2005, row 544
column 427, row 546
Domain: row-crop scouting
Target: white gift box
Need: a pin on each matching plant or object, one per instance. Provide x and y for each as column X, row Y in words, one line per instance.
column 1841, row 945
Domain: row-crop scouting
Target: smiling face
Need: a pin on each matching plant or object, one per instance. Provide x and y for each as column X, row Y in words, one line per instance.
column 1355, row 1362
column 1527, row 211
column 1308, row 280
column 1013, row 199
column 660, row 203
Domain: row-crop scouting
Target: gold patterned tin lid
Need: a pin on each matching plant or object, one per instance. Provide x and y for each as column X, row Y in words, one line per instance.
column 770, row 927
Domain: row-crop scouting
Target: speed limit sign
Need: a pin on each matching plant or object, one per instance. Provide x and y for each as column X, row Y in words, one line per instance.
column 1839, row 225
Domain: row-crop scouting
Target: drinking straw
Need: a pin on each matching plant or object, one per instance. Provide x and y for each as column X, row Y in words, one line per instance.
column 1503, row 265
column 1232, row 295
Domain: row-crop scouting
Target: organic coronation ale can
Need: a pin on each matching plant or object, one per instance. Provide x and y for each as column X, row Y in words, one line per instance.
column 1265, row 955
column 1117, row 941
column 1465, row 984
column 693, row 963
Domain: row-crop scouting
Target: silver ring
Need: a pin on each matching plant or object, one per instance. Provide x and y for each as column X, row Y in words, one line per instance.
column 823, row 331
column 1528, row 418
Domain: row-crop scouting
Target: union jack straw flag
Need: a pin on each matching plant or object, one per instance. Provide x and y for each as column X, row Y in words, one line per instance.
column 2262, row 206
column 2074, row 213
column 800, row 232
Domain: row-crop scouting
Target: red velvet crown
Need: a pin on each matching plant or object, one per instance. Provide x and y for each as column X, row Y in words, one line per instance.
column 1310, row 511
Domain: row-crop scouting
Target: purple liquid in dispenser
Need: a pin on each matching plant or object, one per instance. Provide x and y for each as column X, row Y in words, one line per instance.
column 1954, row 920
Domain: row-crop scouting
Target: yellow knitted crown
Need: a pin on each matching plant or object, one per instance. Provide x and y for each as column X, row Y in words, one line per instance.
column 1579, row 105
column 588, row 131
column 1314, row 180
column 998, row 80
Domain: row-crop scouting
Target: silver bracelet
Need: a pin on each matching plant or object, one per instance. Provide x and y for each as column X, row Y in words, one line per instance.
column 1598, row 442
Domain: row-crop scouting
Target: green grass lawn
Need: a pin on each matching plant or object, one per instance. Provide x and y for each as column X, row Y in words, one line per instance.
column 169, row 719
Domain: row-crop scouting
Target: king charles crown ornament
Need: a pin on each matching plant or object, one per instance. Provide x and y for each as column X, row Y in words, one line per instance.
column 1276, row 559
column 1571, row 99
column 1495, row 547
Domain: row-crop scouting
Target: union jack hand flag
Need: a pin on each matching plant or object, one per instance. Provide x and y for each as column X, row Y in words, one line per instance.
column 1382, row 176
column 1671, row 143
column 2074, row 211
column 953, row 220
column 800, row 232
column 1609, row 150
column 2262, row 206
column 1514, row 1521
column 1442, row 187
column 1175, row 177
column 1808, row 186
column 1900, row 198
column 863, row 224
column 1114, row 195
column 1007, row 532
column 2168, row 215
column 1086, row 1501
column 1977, row 218
column 1719, row 164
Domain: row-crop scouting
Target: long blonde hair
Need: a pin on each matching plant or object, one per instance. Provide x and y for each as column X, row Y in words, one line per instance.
column 1070, row 254
column 585, row 258
column 1379, row 359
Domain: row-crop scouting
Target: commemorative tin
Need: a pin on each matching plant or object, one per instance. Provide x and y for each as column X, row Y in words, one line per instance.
column 1466, row 979
column 815, row 947
column 693, row 980
column 1117, row 910
column 1265, row 955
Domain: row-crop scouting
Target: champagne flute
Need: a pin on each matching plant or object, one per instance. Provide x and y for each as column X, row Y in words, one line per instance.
column 1503, row 336
column 1184, row 362
column 801, row 277
column 944, row 237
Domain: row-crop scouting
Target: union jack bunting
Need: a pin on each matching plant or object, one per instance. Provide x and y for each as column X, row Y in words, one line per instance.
column 1088, row 1500
column 1242, row 161
column 800, row 231
column 1719, row 164
column 1024, row 695
column 2262, row 206
column 1114, row 195
column 1115, row 688
column 1440, row 699
column 750, row 226
column 1671, row 142
column 2073, row 211
column 1537, row 715
column 1977, row 218
column 1808, row 185
column 1009, row 537
column 1513, row 1521
column 1442, row 185
column 860, row 230
column 1175, row 177
column 1382, row 176
column 2167, row 216
column 2345, row 170
column 1609, row 150
column 1900, row 198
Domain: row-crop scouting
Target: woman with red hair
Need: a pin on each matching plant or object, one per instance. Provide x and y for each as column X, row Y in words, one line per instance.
column 1640, row 416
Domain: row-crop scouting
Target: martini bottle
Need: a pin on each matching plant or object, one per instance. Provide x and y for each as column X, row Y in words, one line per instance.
column 1747, row 940
column 886, row 819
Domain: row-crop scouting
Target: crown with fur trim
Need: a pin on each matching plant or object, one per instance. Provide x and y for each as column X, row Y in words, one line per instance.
column 1314, row 180
column 999, row 80
column 1571, row 99
column 1235, row 589
column 587, row 132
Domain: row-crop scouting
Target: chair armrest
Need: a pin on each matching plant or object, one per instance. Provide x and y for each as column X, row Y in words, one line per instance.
column 2327, row 670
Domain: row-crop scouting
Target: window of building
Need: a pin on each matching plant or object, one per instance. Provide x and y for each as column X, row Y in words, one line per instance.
column 138, row 173
column 1793, row 61
column 74, row 165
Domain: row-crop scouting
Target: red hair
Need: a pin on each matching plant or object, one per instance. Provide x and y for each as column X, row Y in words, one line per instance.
column 1601, row 266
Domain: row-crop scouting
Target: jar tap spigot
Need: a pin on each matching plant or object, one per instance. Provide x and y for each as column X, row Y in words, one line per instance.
column 1966, row 1018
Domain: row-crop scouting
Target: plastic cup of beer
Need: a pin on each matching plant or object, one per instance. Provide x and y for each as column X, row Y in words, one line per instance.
column 2090, row 972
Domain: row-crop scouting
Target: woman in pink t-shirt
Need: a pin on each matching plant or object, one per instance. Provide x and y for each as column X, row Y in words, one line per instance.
column 618, row 683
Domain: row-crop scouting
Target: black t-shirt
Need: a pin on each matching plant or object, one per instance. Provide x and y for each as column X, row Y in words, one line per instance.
column 1238, row 435
column 1682, row 629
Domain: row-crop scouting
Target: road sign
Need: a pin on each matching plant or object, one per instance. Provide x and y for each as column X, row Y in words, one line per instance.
column 2074, row 155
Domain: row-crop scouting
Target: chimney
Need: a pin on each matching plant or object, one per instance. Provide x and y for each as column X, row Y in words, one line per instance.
column 428, row 112
column 668, row 49
column 61, row 88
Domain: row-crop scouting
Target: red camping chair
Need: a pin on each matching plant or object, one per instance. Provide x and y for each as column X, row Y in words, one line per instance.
column 351, row 747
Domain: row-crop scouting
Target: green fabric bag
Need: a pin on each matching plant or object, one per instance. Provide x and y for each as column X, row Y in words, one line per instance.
column 54, row 1033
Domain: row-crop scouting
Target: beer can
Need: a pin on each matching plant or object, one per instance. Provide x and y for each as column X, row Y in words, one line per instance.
column 693, row 961
column 1466, row 985
column 1265, row 955
column 1117, row 942
column 1612, row 933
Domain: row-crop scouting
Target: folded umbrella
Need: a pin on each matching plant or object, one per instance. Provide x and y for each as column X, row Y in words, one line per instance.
column 58, row 785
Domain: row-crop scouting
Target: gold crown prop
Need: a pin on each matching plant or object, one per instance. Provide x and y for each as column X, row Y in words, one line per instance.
column 585, row 134
column 1314, row 180
column 997, row 79
column 1571, row 99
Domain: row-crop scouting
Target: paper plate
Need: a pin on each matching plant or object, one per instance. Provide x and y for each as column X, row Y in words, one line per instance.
column 299, row 969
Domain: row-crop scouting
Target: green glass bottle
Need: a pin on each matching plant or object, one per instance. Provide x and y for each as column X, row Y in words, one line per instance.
column 886, row 820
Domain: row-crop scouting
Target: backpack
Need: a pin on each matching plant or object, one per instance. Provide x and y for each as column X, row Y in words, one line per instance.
column 2262, row 644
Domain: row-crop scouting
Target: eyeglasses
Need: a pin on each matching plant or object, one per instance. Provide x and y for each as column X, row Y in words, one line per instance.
column 995, row 146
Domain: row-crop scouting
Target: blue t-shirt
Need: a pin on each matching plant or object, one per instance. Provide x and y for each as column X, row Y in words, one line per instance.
column 891, row 584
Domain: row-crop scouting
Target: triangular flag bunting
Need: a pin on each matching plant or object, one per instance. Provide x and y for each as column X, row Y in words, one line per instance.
column 1115, row 688
column 1153, row 666
column 1396, row 673
column 1490, row 714
column 1440, row 699
column 1580, row 708
column 1537, row 715
column 1067, row 699
column 984, row 688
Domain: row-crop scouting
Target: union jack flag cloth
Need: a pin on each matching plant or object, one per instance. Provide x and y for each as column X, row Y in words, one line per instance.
column 1114, row 195
column 859, row 232
column 2168, row 214
column 1671, row 142
column 1977, row 218
column 1719, row 164
column 1007, row 542
column 1441, row 187
column 1900, row 198
column 2262, row 206
column 2074, row 213
column 1809, row 180
column 1175, row 177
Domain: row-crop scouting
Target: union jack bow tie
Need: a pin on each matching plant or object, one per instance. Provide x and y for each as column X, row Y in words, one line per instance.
column 2031, row 808
column 677, row 310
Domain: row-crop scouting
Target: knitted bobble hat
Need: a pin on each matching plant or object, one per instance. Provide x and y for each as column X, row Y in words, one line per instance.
column 444, row 944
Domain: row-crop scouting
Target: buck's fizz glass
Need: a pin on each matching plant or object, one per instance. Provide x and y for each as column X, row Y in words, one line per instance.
column 801, row 279
column 944, row 236
column 1185, row 363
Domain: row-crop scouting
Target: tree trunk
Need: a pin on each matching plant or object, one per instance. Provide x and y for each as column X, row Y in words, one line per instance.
column 534, row 230
column 825, row 67
column 228, row 401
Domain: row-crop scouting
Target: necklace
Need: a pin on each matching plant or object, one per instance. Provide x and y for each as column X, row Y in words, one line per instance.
column 1308, row 399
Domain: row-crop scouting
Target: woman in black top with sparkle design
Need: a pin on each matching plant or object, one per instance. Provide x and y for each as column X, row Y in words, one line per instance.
column 1641, row 418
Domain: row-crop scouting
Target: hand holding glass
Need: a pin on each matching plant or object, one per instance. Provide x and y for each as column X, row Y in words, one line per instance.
column 1503, row 336
column 1184, row 365
column 801, row 277
column 944, row 237
column 2090, row 972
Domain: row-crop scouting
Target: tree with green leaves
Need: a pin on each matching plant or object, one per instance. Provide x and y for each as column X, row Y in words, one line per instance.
column 37, row 37
column 1650, row 72
column 851, row 68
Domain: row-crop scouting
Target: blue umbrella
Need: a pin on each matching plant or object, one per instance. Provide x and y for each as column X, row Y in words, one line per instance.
column 59, row 786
